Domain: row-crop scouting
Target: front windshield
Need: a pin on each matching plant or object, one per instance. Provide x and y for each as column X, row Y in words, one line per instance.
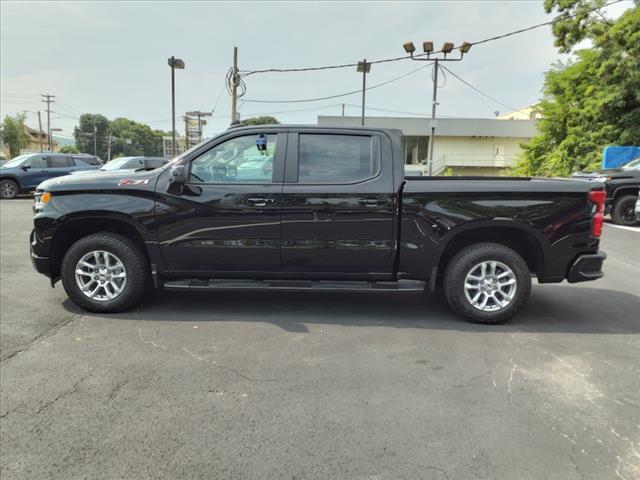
column 16, row 161
column 116, row 164
column 633, row 164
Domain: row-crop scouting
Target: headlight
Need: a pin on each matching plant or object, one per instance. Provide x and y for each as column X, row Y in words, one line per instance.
column 40, row 199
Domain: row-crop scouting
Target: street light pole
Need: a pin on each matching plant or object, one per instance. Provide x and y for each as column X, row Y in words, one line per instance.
column 365, row 68
column 446, row 49
column 174, row 63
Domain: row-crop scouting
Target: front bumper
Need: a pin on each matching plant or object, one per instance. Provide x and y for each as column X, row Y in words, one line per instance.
column 41, row 264
column 586, row 267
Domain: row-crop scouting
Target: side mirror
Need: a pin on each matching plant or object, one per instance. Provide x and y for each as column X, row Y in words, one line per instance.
column 177, row 179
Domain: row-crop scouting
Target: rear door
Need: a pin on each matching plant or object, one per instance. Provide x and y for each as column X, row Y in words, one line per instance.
column 227, row 220
column 59, row 165
column 338, row 204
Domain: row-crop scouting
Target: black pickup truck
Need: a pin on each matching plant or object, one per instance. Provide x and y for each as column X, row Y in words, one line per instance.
column 622, row 186
column 313, row 208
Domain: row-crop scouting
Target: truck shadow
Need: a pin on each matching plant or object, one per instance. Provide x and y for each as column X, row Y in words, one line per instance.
column 566, row 309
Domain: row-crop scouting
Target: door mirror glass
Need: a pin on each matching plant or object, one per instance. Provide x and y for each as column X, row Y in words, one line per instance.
column 178, row 175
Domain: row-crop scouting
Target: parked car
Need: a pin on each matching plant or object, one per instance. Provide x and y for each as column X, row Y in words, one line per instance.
column 623, row 186
column 638, row 209
column 130, row 163
column 22, row 174
column 334, row 212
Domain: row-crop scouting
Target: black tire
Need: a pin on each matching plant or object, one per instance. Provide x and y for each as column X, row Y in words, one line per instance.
column 465, row 261
column 131, row 256
column 623, row 211
column 8, row 189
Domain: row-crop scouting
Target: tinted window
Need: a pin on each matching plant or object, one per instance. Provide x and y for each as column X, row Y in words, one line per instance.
column 60, row 162
column 246, row 159
column 325, row 158
column 37, row 161
column 84, row 161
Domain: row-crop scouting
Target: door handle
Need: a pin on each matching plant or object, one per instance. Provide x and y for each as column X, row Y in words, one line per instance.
column 260, row 201
column 371, row 202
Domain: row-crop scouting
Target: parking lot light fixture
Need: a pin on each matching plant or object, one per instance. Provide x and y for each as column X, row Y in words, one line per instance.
column 447, row 47
column 409, row 47
column 427, row 46
column 465, row 47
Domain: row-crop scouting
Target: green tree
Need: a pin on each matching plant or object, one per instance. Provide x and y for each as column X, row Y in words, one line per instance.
column 13, row 134
column 92, row 125
column 591, row 101
column 130, row 138
column 69, row 149
column 263, row 120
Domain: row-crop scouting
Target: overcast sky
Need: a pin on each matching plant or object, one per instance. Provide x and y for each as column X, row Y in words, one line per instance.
column 111, row 57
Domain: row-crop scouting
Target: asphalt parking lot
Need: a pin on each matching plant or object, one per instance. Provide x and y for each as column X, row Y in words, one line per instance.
column 283, row 385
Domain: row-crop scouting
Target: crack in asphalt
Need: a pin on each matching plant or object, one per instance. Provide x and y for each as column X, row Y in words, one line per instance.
column 47, row 333
column 66, row 393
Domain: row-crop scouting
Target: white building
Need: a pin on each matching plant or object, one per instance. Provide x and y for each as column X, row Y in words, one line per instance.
column 467, row 146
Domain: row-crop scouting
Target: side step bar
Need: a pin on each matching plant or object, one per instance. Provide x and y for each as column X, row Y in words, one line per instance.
column 294, row 285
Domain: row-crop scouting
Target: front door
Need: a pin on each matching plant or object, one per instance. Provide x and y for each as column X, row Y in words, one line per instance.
column 35, row 172
column 227, row 220
column 338, row 215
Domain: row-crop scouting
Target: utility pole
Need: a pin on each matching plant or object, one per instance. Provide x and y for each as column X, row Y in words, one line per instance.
column 186, row 132
column 234, row 85
column 95, row 137
column 48, row 100
column 198, row 114
column 365, row 68
column 434, row 122
column 343, row 109
column 40, row 131
column 446, row 49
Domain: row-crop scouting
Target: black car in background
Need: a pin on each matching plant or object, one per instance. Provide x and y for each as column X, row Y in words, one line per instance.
column 622, row 185
column 24, row 173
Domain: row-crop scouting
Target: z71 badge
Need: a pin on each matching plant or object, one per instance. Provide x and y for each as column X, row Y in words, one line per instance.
column 129, row 182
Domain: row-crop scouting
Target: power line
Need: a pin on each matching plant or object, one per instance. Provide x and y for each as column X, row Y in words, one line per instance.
column 342, row 94
column 405, row 57
column 480, row 91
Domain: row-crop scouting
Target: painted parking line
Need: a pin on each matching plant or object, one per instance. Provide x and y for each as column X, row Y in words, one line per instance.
column 624, row 227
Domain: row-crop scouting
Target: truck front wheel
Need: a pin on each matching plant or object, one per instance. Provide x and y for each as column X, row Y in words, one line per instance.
column 487, row 283
column 105, row 273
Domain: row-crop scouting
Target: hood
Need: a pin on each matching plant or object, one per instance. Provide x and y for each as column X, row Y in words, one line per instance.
column 100, row 180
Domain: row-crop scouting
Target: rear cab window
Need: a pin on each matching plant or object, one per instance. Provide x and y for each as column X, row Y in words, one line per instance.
column 336, row 158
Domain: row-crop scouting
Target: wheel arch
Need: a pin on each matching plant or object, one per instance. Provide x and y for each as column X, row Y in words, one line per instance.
column 73, row 229
column 523, row 240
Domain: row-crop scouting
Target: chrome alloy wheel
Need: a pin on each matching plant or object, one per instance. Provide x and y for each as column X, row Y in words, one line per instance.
column 101, row 275
column 490, row 286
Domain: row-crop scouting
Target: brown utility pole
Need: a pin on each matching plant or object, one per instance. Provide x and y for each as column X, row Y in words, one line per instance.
column 186, row 132
column 48, row 101
column 234, row 85
column 40, row 130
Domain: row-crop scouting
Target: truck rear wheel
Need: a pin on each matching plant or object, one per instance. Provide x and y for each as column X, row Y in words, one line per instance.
column 487, row 283
column 623, row 211
column 105, row 273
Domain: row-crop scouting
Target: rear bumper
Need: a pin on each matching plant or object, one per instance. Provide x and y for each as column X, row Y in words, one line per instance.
column 41, row 264
column 586, row 267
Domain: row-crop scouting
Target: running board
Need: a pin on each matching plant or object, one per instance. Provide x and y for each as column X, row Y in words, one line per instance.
column 295, row 285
